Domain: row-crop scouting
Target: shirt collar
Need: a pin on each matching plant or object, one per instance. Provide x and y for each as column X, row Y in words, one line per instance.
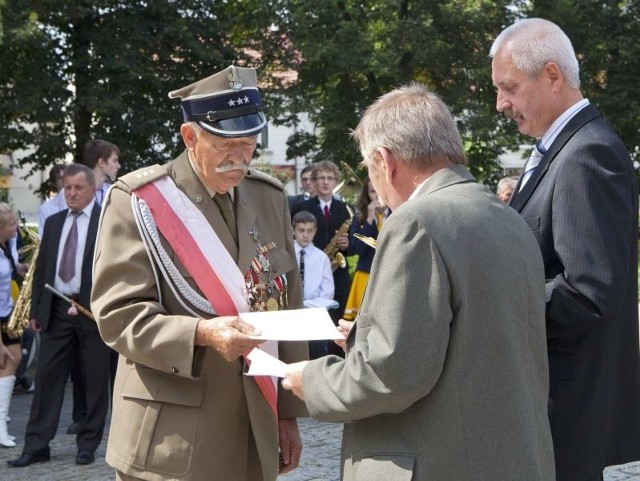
column 87, row 209
column 298, row 248
column 556, row 127
column 416, row 191
column 323, row 203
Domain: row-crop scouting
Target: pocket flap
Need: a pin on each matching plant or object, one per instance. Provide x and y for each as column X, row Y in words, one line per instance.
column 534, row 223
column 398, row 467
column 281, row 261
column 153, row 385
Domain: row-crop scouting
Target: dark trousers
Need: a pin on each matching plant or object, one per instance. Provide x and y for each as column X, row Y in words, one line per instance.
column 64, row 339
column 79, row 390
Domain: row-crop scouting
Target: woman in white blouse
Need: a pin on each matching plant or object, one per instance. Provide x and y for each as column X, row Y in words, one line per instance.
column 10, row 350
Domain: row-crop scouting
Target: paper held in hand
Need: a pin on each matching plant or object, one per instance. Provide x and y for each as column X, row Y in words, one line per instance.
column 294, row 325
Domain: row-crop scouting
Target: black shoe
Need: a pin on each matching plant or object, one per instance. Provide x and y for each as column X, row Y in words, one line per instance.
column 27, row 459
column 84, row 456
column 74, row 428
column 24, row 384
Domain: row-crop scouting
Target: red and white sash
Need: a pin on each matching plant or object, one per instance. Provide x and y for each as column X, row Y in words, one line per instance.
column 204, row 256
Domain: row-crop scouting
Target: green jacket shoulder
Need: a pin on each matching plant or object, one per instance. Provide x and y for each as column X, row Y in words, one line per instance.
column 254, row 174
column 138, row 178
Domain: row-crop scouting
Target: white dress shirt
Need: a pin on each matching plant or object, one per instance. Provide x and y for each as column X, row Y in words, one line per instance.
column 50, row 207
column 318, row 277
column 73, row 286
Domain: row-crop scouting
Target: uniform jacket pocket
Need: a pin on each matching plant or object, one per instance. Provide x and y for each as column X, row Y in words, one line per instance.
column 155, row 422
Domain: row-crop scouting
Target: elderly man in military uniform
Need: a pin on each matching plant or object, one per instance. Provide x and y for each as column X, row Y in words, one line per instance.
column 183, row 248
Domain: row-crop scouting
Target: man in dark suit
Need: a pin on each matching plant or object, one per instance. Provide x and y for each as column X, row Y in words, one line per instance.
column 581, row 201
column 333, row 221
column 65, row 262
column 308, row 188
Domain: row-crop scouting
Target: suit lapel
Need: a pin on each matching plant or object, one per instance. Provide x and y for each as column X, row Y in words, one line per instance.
column 56, row 234
column 92, row 232
column 586, row 115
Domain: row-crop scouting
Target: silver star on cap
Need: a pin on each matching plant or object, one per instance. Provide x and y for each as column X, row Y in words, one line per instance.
column 197, row 198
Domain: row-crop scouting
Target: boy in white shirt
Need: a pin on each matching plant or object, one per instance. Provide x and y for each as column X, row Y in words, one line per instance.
column 315, row 271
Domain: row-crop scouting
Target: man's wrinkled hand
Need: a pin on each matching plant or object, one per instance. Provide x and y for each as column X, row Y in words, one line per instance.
column 229, row 335
column 290, row 445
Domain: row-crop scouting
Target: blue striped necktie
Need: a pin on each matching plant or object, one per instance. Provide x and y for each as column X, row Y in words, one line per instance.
column 534, row 159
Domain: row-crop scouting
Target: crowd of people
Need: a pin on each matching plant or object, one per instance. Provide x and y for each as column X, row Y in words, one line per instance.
column 59, row 309
column 487, row 336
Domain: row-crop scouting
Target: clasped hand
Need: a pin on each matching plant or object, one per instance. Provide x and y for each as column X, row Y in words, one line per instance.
column 229, row 335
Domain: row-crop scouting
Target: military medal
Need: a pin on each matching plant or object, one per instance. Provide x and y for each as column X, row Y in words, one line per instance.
column 264, row 290
column 272, row 304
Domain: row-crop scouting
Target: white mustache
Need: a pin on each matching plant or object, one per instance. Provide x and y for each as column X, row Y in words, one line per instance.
column 229, row 166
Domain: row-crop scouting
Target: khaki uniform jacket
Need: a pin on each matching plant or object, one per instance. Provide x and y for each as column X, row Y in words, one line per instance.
column 180, row 411
column 445, row 376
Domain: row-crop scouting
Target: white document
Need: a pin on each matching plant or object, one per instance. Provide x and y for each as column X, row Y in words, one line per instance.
column 295, row 325
column 264, row 364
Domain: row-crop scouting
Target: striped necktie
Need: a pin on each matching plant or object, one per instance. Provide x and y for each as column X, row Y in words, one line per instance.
column 534, row 159
column 302, row 268
column 67, row 268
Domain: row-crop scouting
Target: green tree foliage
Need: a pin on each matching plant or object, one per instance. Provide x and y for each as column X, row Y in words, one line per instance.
column 70, row 71
column 605, row 37
column 349, row 52
column 103, row 68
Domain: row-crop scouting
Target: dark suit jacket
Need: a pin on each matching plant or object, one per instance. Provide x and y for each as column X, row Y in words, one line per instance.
column 295, row 200
column 582, row 206
column 326, row 231
column 45, row 270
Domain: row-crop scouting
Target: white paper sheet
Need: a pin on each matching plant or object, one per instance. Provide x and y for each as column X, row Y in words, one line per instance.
column 264, row 364
column 295, row 325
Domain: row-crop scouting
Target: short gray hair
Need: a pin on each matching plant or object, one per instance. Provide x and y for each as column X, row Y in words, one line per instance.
column 75, row 169
column 414, row 124
column 504, row 183
column 532, row 43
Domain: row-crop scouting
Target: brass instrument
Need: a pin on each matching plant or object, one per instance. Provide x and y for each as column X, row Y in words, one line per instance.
column 332, row 250
column 19, row 319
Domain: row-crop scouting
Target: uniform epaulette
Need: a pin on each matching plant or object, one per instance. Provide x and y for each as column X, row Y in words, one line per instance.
column 258, row 175
column 138, row 178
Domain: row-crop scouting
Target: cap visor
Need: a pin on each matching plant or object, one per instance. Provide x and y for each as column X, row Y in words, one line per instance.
column 245, row 126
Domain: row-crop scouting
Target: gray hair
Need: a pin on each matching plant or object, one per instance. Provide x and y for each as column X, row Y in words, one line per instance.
column 504, row 183
column 532, row 43
column 75, row 169
column 414, row 124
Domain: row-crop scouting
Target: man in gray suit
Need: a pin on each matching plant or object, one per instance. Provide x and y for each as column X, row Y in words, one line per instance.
column 581, row 202
column 445, row 374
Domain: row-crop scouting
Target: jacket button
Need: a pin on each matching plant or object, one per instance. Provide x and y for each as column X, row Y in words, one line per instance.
column 174, row 370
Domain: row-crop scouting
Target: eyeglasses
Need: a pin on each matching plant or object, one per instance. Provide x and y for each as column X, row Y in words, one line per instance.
column 325, row 178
